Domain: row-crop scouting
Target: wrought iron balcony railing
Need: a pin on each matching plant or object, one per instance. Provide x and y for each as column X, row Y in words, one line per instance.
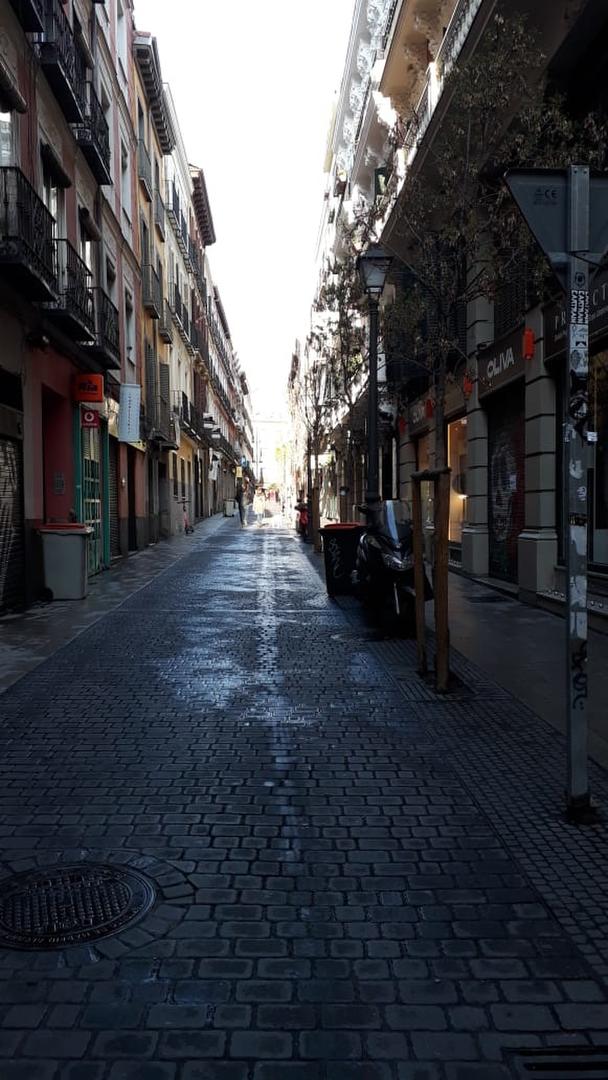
column 26, row 237
column 107, row 329
column 172, row 205
column 152, row 292
column 159, row 213
column 62, row 62
column 93, row 137
column 176, row 304
column 144, row 168
column 165, row 327
column 74, row 308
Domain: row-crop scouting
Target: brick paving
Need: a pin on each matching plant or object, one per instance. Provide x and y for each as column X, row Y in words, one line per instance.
column 356, row 880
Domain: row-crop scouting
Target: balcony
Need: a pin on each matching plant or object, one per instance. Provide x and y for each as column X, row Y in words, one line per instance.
column 181, row 235
column 93, row 138
column 152, row 292
column 172, row 206
column 176, row 305
column 165, row 329
column 195, row 338
column 106, row 345
column 30, row 14
column 144, row 169
column 74, row 309
column 26, row 238
column 62, row 63
column 159, row 213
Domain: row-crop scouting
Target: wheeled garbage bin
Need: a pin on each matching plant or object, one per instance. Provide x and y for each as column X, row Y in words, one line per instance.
column 64, row 556
column 229, row 508
column 340, row 543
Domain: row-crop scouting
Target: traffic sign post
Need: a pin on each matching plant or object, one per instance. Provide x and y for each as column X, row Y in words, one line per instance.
column 567, row 212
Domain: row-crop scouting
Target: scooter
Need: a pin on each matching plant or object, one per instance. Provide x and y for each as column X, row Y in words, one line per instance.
column 384, row 574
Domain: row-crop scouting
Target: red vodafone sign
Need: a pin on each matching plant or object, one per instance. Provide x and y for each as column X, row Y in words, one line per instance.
column 89, row 418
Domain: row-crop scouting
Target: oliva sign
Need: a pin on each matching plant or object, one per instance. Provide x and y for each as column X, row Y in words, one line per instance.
column 502, row 362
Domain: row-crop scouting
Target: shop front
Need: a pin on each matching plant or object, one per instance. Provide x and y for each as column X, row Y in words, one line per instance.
column 502, row 395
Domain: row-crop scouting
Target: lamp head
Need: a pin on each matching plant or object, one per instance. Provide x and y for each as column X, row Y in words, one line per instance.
column 373, row 266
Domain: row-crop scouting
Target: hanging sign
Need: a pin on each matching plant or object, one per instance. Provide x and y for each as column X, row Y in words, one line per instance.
column 89, row 418
column 128, row 416
column 239, row 472
column 87, row 387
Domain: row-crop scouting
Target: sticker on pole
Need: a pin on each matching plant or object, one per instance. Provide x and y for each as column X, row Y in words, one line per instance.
column 542, row 198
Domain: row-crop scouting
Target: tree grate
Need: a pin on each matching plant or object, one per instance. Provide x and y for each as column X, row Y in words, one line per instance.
column 563, row 1063
column 70, row 905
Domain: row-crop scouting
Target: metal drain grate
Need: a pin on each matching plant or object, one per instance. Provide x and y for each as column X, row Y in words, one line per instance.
column 70, row 905
column 563, row 1063
column 490, row 598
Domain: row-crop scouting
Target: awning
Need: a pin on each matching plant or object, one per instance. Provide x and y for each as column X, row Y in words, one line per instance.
column 53, row 163
column 89, row 224
column 10, row 97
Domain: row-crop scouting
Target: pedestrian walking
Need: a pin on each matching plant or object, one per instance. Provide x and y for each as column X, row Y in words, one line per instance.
column 241, row 501
column 259, row 505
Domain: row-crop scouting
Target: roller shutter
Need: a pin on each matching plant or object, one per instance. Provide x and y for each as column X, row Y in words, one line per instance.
column 12, row 536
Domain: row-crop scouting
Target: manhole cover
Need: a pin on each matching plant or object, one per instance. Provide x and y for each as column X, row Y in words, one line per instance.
column 70, row 905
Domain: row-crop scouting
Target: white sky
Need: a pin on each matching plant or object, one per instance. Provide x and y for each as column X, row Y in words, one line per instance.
column 253, row 85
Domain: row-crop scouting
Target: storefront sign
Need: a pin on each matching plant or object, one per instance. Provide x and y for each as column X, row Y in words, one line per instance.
column 87, row 388
column 501, row 364
column 418, row 420
column 128, row 416
column 556, row 317
column 89, row 418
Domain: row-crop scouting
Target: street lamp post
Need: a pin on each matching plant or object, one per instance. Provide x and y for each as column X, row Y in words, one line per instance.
column 373, row 266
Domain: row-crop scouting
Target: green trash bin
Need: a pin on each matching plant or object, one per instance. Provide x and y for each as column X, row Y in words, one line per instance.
column 340, row 542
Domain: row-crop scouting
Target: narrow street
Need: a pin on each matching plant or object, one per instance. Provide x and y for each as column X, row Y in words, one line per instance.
column 352, row 878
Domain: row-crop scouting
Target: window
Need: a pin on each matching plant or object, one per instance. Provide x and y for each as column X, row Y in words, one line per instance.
column 7, row 138
column 53, row 198
column 175, row 487
column 121, row 37
column 125, row 180
column 111, row 280
column 130, row 336
column 106, row 105
column 183, row 472
column 86, row 249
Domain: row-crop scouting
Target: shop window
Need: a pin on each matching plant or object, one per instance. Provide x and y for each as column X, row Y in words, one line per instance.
column 457, row 461
column 598, row 422
column 423, row 461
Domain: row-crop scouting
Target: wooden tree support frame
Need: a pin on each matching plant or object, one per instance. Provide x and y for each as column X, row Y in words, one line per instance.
column 440, row 479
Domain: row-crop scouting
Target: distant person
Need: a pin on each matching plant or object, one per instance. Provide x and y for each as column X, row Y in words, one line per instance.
column 241, row 502
column 259, row 505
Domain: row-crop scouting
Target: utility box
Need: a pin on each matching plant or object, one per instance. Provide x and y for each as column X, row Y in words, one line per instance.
column 64, row 557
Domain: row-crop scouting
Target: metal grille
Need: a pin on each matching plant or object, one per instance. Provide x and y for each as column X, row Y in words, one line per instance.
column 506, row 469
column 12, row 555
column 67, row 905
column 113, row 493
column 91, row 494
column 563, row 1063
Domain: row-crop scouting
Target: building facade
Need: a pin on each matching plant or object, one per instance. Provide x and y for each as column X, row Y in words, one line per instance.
column 504, row 406
column 104, row 311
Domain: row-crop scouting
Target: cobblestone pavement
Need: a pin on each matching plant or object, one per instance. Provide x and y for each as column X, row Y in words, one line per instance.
column 356, row 880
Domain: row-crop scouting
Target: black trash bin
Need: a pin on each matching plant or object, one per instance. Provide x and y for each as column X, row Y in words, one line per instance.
column 340, row 551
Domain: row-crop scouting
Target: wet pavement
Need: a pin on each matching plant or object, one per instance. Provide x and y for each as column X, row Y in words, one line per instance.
column 355, row 879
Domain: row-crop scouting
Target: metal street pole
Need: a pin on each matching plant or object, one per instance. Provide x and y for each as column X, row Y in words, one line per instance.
column 576, row 471
column 372, row 495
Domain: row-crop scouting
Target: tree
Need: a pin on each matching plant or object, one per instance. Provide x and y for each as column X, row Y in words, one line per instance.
column 457, row 230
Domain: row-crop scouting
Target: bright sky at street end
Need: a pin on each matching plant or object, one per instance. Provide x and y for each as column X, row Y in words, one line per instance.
column 254, row 85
